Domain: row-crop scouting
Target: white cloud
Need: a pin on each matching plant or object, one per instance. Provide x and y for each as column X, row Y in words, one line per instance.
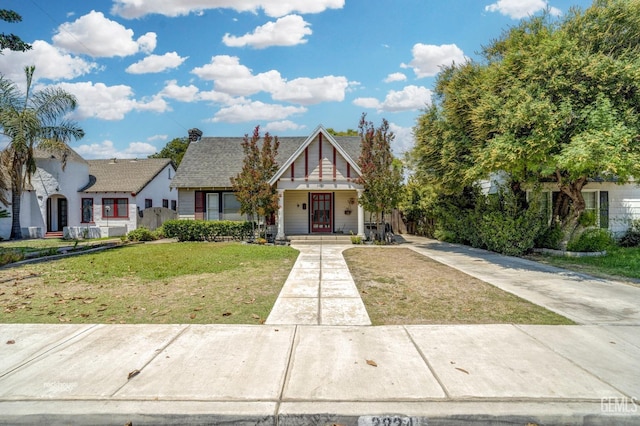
column 289, row 30
column 97, row 36
column 180, row 93
column 156, row 63
column 255, row 111
column 396, row 76
column 107, row 149
column 131, row 9
column 428, row 58
column 233, row 78
column 51, row 63
column 308, row 91
column 518, row 9
column 407, row 99
column 403, row 141
column 157, row 138
column 221, row 98
column 101, row 101
column 282, row 126
column 370, row 103
column 154, row 104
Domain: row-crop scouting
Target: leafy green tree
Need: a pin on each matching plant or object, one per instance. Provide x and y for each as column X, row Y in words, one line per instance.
column 32, row 119
column 11, row 41
column 381, row 173
column 251, row 185
column 174, row 150
column 553, row 100
column 348, row 132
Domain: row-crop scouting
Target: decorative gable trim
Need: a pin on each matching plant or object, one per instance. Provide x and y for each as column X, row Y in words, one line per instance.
column 322, row 134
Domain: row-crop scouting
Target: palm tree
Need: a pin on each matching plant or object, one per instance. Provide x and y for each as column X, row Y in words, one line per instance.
column 32, row 120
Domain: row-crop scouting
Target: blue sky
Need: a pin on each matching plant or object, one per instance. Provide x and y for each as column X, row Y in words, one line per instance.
column 145, row 71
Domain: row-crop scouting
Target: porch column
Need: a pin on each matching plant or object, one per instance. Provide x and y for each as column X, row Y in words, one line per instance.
column 280, row 235
column 360, row 216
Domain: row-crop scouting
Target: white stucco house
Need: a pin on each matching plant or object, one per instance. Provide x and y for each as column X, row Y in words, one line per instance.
column 91, row 198
column 316, row 183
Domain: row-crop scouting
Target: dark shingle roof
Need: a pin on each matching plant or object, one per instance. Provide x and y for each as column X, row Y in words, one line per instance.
column 122, row 175
column 212, row 161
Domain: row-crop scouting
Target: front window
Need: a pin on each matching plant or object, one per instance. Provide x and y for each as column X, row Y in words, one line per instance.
column 148, row 203
column 87, row 210
column 165, row 204
column 231, row 207
column 115, row 207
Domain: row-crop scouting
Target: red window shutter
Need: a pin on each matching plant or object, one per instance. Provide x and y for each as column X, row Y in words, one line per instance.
column 199, row 205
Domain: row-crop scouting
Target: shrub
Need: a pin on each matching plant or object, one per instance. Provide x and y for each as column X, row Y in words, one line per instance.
column 591, row 240
column 550, row 237
column 201, row 230
column 632, row 237
column 141, row 234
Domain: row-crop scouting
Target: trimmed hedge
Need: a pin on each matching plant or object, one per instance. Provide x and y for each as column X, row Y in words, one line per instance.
column 206, row 230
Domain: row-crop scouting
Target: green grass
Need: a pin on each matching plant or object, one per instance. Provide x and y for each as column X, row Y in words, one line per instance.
column 226, row 283
column 619, row 262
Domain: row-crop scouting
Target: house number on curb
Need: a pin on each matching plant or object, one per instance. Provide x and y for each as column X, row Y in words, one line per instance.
column 389, row 421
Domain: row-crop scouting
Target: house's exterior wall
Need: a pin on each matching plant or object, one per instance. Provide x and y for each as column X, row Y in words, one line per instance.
column 347, row 223
column 309, row 162
column 624, row 202
column 158, row 189
column 128, row 223
column 296, row 218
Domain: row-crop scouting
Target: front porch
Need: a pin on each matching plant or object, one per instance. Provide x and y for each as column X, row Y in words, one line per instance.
column 318, row 212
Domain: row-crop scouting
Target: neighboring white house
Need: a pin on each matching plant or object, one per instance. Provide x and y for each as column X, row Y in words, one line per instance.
column 613, row 205
column 91, row 198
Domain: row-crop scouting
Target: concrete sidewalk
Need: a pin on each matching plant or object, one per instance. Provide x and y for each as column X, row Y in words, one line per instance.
column 349, row 375
column 302, row 375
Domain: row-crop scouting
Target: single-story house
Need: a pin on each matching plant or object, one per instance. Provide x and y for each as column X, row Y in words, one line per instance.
column 91, row 198
column 613, row 205
column 316, row 183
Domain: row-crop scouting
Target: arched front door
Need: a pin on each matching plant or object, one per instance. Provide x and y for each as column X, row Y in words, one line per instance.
column 57, row 213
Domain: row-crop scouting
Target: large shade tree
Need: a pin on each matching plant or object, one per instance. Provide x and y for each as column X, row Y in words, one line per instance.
column 29, row 120
column 552, row 100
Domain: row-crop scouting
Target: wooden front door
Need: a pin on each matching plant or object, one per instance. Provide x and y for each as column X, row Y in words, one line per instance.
column 321, row 212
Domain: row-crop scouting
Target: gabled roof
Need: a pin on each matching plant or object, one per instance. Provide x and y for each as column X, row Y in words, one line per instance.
column 349, row 157
column 211, row 162
column 123, row 175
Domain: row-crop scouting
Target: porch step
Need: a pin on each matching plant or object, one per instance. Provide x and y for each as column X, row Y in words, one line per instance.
column 320, row 239
column 54, row 234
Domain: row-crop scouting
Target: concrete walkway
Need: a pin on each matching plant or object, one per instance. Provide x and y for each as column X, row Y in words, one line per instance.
column 319, row 290
column 348, row 375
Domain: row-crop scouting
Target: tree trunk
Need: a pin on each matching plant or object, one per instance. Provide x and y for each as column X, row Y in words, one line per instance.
column 16, row 229
column 570, row 223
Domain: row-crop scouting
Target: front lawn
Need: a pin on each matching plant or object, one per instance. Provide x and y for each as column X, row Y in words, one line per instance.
column 620, row 262
column 216, row 283
column 400, row 286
